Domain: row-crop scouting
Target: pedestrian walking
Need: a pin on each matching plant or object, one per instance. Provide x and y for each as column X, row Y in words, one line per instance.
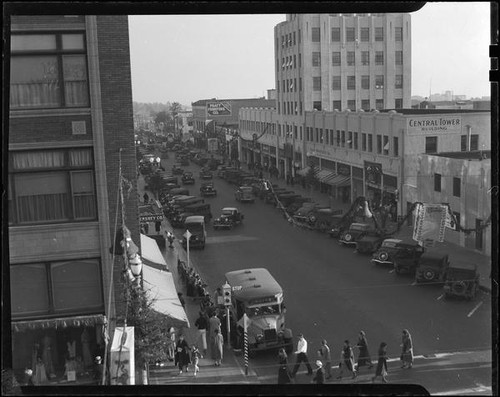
column 325, row 355
column 301, row 353
column 319, row 378
column 347, row 360
column 195, row 358
column 214, row 328
column 202, row 324
column 219, row 347
column 146, row 198
column 364, row 356
column 407, row 350
column 283, row 371
column 381, row 369
column 182, row 354
column 171, row 344
column 158, row 227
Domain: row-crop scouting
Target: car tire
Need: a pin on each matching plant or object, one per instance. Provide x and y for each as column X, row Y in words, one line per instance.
column 429, row 274
column 383, row 256
column 348, row 237
column 458, row 287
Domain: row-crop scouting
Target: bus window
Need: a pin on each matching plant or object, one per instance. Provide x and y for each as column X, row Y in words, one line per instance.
column 262, row 310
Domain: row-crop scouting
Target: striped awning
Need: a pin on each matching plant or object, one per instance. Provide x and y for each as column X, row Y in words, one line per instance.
column 325, row 175
column 338, row 180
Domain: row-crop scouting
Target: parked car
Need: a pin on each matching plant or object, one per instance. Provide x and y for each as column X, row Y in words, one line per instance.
column 355, row 232
column 461, row 282
column 177, row 169
column 229, row 218
column 432, row 267
column 304, row 212
column 187, row 178
column 401, row 254
column 369, row 243
column 205, row 173
column 184, row 160
column 207, row 189
column 199, row 209
column 244, row 194
column 297, row 203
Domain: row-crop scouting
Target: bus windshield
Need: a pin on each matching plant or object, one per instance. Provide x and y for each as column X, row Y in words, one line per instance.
column 262, row 310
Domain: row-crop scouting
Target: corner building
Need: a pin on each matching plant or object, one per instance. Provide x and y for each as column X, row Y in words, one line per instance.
column 70, row 117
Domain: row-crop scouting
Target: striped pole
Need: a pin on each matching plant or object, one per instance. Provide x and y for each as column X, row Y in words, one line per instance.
column 246, row 351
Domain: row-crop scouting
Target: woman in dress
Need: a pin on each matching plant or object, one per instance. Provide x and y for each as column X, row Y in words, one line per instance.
column 347, row 360
column 364, row 355
column 407, row 350
column 283, row 373
column 219, row 347
column 382, row 363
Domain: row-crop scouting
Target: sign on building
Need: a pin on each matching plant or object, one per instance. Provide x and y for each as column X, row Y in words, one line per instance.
column 430, row 222
column 218, row 109
column 434, row 125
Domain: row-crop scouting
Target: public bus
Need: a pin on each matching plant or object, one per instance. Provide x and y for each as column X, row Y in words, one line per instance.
column 256, row 293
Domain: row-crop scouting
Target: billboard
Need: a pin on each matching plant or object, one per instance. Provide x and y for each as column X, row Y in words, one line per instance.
column 430, row 222
column 218, row 109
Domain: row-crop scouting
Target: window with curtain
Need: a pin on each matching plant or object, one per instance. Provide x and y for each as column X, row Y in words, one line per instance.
column 48, row 71
column 52, row 186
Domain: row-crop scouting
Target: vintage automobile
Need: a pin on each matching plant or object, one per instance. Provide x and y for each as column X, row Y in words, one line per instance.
column 187, row 178
column 230, row 217
column 370, row 243
column 461, row 282
column 276, row 193
column 432, row 267
column 177, row 221
column 196, row 226
column 402, row 254
column 205, row 173
column 355, row 232
column 200, row 209
column 340, row 224
column 307, row 208
column 322, row 219
column 244, row 194
column 207, row 189
column 177, row 169
column 297, row 203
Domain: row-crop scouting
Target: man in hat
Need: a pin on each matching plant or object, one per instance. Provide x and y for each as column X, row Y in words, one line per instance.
column 319, row 378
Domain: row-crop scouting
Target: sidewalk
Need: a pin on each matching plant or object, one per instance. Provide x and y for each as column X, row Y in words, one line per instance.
column 459, row 256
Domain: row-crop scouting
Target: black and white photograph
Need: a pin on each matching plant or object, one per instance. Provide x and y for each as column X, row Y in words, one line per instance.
column 250, row 198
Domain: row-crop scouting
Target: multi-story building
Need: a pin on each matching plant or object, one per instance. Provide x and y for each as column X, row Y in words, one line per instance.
column 184, row 121
column 70, row 123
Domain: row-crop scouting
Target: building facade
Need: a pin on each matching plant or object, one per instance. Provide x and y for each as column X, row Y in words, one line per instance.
column 462, row 180
column 70, row 128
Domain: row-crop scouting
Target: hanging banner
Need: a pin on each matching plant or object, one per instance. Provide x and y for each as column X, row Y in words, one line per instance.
column 122, row 362
column 430, row 222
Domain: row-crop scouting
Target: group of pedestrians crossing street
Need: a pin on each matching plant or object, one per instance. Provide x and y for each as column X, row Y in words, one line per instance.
column 347, row 363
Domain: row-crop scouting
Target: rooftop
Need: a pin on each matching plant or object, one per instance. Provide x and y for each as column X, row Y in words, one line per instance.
column 470, row 155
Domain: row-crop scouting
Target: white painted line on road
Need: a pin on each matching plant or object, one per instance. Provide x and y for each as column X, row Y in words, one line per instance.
column 414, row 283
column 440, row 297
column 473, row 310
column 391, row 271
column 465, row 392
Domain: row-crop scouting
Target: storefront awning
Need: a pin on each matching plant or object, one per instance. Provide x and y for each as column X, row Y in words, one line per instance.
column 338, row 180
column 150, row 252
column 163, row 293
column 60, row 322
column 324, row 175
column 303, row 171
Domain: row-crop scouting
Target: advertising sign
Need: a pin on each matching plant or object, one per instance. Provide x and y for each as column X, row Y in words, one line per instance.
column 122, row 361
column 434, row 125
column 430, row 222
column 218, row 109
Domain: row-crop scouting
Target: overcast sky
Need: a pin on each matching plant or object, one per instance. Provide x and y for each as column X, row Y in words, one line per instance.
column 185, row 58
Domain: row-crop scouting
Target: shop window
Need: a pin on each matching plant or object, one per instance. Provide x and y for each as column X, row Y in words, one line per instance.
column 52, row 186
column 431, row 144
column 456, row 186
column 437, row 182
column 48, row 71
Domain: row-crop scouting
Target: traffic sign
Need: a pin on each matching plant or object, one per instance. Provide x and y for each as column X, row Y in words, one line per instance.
column 187, row 234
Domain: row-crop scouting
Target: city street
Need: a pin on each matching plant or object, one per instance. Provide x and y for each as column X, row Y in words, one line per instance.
column 332, row 293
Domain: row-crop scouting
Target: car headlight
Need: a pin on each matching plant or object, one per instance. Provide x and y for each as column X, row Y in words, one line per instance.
column 259, row 338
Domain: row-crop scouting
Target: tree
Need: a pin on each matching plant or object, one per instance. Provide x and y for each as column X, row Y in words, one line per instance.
column 311, row 176
column 161, row 117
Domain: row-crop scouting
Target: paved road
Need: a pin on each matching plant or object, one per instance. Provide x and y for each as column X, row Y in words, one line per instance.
column 333, row 293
